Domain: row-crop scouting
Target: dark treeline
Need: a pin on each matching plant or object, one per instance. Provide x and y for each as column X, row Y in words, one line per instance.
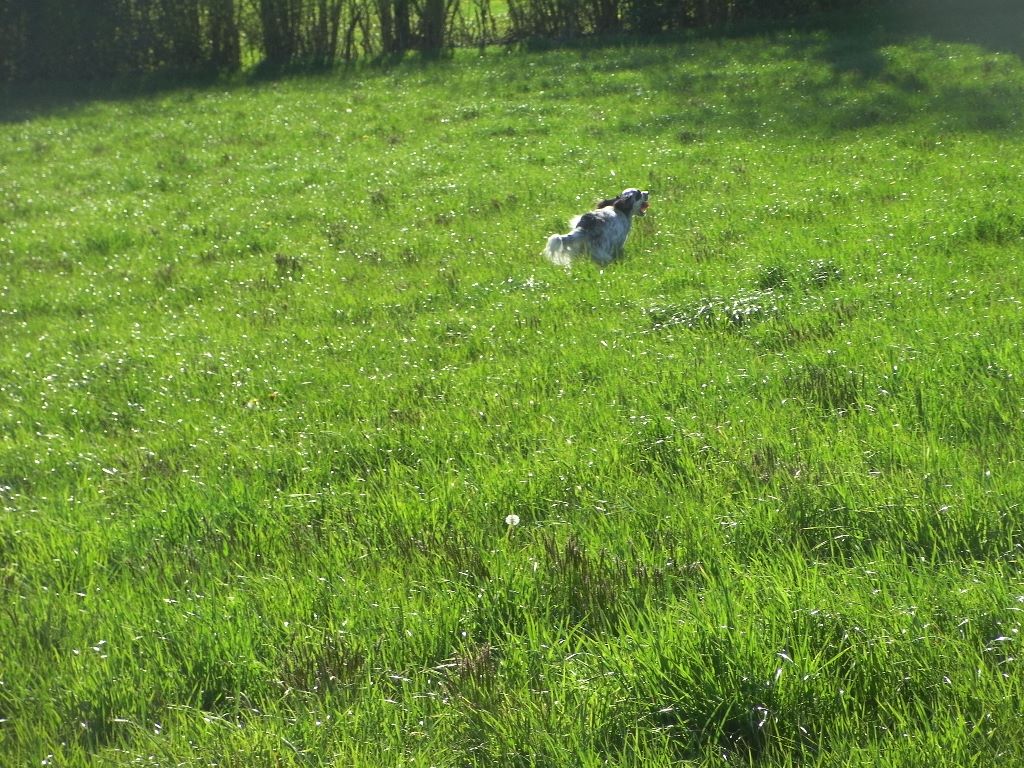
column 83, row 39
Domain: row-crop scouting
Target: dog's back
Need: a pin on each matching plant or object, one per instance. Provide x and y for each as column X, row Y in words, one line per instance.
column 584, row 232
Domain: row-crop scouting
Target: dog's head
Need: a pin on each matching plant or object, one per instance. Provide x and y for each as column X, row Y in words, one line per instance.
column 631, row 201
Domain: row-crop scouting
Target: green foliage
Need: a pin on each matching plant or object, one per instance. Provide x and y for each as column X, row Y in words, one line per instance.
column 309, row 458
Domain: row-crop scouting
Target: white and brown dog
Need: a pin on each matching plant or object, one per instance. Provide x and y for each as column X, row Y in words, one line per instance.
column 600, row 234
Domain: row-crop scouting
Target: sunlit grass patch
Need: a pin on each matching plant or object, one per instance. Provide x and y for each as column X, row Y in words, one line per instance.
column 307, row 457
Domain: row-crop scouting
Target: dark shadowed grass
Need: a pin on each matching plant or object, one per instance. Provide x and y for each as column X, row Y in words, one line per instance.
column 308, row 458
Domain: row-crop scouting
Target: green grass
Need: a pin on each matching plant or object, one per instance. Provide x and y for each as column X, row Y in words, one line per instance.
column 282, row 359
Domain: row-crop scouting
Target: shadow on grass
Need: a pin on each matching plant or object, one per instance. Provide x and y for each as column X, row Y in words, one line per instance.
column 26, row 101
column 867, row 83
column 21, row 102
column 997, row 25
column 855, row 39
column 854, row 48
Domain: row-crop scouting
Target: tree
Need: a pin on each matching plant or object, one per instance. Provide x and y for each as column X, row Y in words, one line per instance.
column 279, row 23
column 225, row 43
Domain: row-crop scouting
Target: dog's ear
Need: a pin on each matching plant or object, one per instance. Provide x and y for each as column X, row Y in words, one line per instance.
column 627, row 201
column 606, row 203
column 624, row 204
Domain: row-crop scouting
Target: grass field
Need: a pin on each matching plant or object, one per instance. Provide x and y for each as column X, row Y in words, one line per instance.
column 308, row 458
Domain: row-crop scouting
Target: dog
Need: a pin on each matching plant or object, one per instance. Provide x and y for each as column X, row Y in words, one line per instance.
column 600, row 234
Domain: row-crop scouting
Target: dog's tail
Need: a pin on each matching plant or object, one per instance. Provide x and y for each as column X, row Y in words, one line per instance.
column 556, row 251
